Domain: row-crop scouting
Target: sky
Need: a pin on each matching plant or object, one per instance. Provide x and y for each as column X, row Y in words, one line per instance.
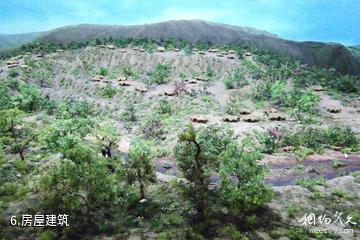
column 315, row 20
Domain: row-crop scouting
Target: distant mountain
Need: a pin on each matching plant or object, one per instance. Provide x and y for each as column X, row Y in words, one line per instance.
column 327, row 55
column 355, row 50
column 15, row 40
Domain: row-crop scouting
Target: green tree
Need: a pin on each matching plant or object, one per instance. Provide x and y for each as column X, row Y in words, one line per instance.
column 242, row 179
column 197, row 156
column 80, row 180
column 107, row 137
column 15, row 134
column 140, row 169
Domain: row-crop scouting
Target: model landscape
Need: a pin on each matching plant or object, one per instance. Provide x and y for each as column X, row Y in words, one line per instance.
column 178, row 130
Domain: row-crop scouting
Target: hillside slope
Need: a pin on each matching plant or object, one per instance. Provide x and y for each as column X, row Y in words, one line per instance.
column 355, row 50
column 313, row 53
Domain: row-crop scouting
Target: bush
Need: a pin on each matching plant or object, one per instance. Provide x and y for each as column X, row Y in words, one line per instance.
column 103, row 71
column 164, row 107
column 129, row 114
column 234, row 105
column 161, row 74
column 152, row 126
column 261, row 91
column 109, row 91
column 128, row 71
column 311, row 182
column 235, row 80
column 346, row 84
column 273, row 139
column 13, row 73
column 28, row 99
column 342, row 137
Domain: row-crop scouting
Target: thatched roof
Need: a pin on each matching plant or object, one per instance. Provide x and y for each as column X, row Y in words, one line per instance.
column 160, row 49
column 199, row 119
column 231, row 119
column 170, row 93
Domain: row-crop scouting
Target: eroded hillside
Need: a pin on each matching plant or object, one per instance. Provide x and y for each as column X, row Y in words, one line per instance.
column 304, row 123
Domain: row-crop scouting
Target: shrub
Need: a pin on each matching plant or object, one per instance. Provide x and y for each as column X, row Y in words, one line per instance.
column 103, row 71
column 273, row 139
column 28, row 99
column 346, row 84
column 234, row 105
column 152, row 126
column 164, row 107
column 13, row 73
column 129, row 113
column 261, row 91
column 230, row 232
column 311, row 182
column 312, row 138
column 128, row 71
column 307, row 101
column 342, row 137
column 179, row 87
column 161, row 74
column 109, row 91
column 235, row 80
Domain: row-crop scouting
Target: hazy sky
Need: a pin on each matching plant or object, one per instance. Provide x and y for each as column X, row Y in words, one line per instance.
column 319, row 20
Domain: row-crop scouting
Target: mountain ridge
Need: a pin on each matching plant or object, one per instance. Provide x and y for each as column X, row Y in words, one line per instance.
column 325, row 55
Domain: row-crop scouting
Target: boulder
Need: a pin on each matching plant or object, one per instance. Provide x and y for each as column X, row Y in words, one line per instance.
column 358, row 110
column 276, row 117
column 195, row 49
column 251, row 119
column 1, row 70
column 333, row 109
column 107, row 81
column 202, row 53
column 231, row 57
column 231, row 52
column 224, row 53
column 199, row 119
column 231, row 119
column 60, row 50
column 141, row 50
column 136, row 49
column 176, row 50
column 219, row 55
